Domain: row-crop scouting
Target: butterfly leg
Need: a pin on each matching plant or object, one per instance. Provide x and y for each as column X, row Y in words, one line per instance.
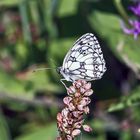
column 63, row 83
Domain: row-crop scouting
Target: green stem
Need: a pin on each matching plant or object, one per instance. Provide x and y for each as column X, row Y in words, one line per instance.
column 118, row 5
column 25, row 21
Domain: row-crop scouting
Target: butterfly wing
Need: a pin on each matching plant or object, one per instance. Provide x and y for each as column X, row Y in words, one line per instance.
column 85, row 59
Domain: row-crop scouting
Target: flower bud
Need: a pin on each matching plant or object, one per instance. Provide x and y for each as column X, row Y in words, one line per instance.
column 76, row 132
column 87, row 128
column 67, row 100
column 88, row 93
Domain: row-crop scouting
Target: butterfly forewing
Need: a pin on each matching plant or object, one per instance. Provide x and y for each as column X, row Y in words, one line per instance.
column 84, row 60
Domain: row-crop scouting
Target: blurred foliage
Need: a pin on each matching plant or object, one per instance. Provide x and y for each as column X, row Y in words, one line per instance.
column 4, row 132
column 40, row 133
column 39, row 33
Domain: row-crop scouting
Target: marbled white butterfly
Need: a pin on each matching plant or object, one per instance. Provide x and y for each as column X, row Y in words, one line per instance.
column 84, row 60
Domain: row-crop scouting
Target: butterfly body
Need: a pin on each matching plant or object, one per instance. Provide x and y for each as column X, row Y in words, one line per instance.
column 84, row 60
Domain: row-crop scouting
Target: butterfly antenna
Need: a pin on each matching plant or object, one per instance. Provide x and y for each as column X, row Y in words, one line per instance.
column 40, row 69
column 53, row 61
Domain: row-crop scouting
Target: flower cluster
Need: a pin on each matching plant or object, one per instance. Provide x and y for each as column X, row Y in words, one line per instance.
column 136, row 9
column 71, row 118
column 135, row 24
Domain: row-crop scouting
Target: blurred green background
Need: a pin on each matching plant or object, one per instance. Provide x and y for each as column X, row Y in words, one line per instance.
column 38, row 33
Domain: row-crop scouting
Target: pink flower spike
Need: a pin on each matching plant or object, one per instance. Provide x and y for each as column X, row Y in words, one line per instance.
column 87, row 128
column 71, row 90
column 67, row 100
column 77, row 94
column 58, row 138
column 87, row 86
column 78, row 124
column 76, row 113
column 77, row 84
column 69, row 137
column 71, row 107
column 76, row 132
column 59, row 117
column 85, row 101
column 89, row 92
column 67, row 131
column 65, row 112
column 82, row 90
column 70, row 120
column 80, row 107
column 83, row 82
column 86, row 110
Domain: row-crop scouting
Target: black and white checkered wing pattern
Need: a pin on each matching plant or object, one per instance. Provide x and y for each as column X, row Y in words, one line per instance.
column 85, row 59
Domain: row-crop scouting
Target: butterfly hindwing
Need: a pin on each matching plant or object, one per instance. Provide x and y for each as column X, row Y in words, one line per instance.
column 85, row 59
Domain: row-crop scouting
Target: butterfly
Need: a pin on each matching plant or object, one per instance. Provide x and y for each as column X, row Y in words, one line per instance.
column 84, row 60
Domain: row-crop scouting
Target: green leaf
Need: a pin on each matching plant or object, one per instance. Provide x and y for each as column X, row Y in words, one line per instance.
column 4, row 132
column 116, row 107
column 9, row 84
column 40, row 81
column 131, row 100
column 9, row 2
column 124, row 46
column 68, row 7
column 43, row 133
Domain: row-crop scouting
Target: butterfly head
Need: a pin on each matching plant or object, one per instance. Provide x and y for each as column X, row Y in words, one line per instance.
column 59, row 70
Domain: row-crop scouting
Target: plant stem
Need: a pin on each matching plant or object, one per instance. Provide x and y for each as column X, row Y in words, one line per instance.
column 121, row 10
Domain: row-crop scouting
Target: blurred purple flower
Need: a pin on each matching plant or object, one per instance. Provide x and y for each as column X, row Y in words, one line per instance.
column 135, row 29
column 135, row 9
